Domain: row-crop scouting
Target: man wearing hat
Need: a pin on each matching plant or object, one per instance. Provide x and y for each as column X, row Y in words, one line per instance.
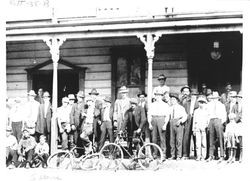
column 76, row 117
column 200, row 123
column 97, row 113
column 39, row 97
column 71, row 107
column 120, row 108
column 225, row 96
column 160, row 112
column 217, row 116
column 240, row 128
column 188, row 102
column 11, row 148
column 143, row 103
column 87, row 126
column 162, row 86
column 16, row 118
column 231, row 103
column 32, row 109
column 43, row 124
column 178, row 117
column 63, row 119
column 135, row 119
column 107, row 112
column 26, row 148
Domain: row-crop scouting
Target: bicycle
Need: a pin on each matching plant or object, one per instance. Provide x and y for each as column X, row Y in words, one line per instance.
column 66, row 159
column 148, row 156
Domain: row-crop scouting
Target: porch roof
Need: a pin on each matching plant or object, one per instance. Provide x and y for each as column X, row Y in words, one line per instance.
column 124, row 26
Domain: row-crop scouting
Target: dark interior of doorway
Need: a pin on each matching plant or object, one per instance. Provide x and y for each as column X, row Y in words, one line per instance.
column 68, row 82
column 215, row 73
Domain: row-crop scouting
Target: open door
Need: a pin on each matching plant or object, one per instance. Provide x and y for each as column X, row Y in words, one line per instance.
column 70, row 78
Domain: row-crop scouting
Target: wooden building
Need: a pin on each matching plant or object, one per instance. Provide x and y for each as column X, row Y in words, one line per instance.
column 64, row 55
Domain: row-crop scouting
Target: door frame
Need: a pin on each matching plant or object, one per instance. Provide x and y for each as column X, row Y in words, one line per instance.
column 36, row 69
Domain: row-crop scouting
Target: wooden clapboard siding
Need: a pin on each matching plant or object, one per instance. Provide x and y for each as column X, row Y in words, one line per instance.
column 11, row 93
column 17, row 85
column 95, row 54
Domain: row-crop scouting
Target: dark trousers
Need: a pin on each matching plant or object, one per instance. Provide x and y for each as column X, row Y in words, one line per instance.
column 29, row 155
column 11, row 156
column 157, row 123
column 106, row 127
column 73, row 138
column 17, row 130
column 176, row 138
column 187, row 136
column 215, row 128
column 43, row 157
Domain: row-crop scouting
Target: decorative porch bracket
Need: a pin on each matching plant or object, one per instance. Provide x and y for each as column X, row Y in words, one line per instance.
column 54, row 45
column 149, row 41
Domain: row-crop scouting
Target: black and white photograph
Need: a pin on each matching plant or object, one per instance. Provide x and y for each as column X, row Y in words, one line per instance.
column 125, row 88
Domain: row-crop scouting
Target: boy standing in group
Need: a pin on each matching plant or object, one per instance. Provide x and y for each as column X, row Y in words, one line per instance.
column 200, row 123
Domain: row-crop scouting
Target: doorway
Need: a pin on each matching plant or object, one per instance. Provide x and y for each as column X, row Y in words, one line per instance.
column 68, row 82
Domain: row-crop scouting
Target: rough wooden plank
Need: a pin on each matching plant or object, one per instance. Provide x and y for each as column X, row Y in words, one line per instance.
column 17, row 78
column 85, row 51
column 24, row 46
column 97, row 67
column 102, row 91
column 171, row 81
column 29, row 54
column 98, row 76
column 98, row 84
column 169, row 65
column 16, row 70
column 17, row 93
column 88, row 59
column 170, row 56
column 17, row 85
column 170, row 73
column 26, row 61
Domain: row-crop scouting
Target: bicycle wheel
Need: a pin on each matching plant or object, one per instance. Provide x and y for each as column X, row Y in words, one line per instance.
column 60, row 160
column 150, row 156
column 91, row 162
column 112, row 157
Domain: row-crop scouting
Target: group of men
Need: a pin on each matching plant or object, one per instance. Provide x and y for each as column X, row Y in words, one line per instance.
column 175, row 120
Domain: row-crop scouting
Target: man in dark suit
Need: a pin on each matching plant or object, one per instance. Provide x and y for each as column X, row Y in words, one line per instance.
column 43, row 124
column 97, row 113
column 106, row 122
column 76, row 117
column 134, row 120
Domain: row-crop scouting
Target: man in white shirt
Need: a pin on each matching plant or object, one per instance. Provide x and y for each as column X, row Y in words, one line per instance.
column 32, row 110
column 200, row 123
column 218, row 116
column 162, row 87
column 178, row 118
column 11, row 148
column 16, row 118
column 160, row 112
column 120, row 108
column 63, row 119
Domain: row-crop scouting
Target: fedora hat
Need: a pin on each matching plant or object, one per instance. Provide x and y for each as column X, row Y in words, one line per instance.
column 239, row 94
column 133, row 101
column 142, row 93
column 9, row 128
column 108, row 99
column 202, row 99
column 65, row 99
column 71, row 97
column 215, row 95
column 232, row 94
column 123, row 89
column 31, row 93
column 93, row 92
column 184, row 87
column 162, row 77
column 175, row 95
column 80, row 94
column 46, row 94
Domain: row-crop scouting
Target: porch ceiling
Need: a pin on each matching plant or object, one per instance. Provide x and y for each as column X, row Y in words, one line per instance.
column 128, row 27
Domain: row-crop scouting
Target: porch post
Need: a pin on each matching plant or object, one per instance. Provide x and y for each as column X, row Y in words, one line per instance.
column 149, row 46
column 54, row 45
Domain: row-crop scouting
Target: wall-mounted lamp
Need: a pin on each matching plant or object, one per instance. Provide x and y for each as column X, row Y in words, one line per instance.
column 216, row 53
